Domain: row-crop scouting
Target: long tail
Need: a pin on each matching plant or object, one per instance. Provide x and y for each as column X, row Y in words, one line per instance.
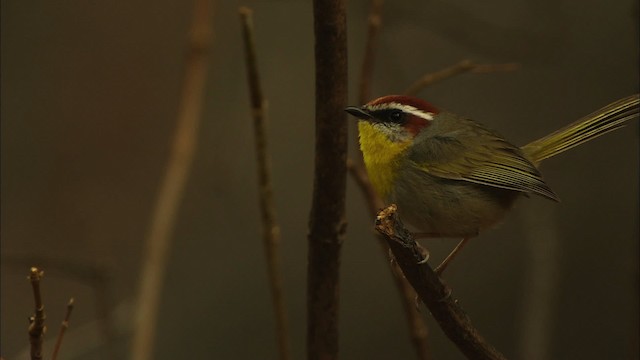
column 600, row 122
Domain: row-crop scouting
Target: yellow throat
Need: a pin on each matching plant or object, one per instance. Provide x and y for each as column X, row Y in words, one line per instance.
column 381, row 157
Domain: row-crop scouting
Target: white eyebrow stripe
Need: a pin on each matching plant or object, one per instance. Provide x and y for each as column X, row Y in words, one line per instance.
column 403, row 107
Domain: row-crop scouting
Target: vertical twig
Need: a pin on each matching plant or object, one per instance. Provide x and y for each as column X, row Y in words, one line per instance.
column 359, row 175
column 36, row 322
column 270, row 228
column 158, row 239
column 366, row 72
column 541, row 279
column 63, row 329
column 94, row 275
column 417, row 328
column 327, row 223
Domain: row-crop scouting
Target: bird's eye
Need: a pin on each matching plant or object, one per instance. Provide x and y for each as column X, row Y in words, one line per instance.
column 395, row 116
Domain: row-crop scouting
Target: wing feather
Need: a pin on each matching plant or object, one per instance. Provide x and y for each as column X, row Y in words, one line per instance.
column 462, row 149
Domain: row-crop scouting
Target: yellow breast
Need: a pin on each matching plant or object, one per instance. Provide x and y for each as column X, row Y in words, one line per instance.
column 381, row 157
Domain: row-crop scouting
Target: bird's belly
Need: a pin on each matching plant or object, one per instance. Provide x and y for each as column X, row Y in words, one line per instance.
column 449, row 208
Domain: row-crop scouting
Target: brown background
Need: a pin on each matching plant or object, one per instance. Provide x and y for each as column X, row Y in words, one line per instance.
column 89, row 101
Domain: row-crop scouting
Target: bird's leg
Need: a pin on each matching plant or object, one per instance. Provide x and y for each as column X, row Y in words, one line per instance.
column 440, row 269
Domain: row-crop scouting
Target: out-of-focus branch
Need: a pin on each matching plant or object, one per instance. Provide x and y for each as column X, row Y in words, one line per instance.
column 542, row 240
column 433, row 293
column 160, row 231
column 36, row 322
column 271, row 230
column 461, row 67
column 366, row 72
column 327, row 223
column 63, row 329
column 417, row 328
column 362, row 180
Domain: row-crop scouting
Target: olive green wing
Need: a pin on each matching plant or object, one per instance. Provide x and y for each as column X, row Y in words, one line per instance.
column 468, row 151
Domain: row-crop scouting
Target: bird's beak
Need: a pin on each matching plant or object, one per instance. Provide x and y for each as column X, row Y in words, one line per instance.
column 358, row 112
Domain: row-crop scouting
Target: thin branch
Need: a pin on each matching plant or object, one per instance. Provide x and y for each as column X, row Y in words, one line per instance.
column 433, row 293
column 63, row 329
column 362, row 180
column 327, row 223
column 271, row 230
column 366, row 72
column 36, row 322
column 158, row 241
column 461, row 67
column 417, row 328
column 97, row 276
column 491, row 68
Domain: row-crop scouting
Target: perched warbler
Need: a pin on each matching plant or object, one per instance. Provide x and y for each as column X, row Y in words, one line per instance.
column 453, row 177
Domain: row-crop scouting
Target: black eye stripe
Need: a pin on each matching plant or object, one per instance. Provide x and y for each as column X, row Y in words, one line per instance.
column 396, row 116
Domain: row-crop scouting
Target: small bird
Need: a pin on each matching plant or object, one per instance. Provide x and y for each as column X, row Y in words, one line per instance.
column 451, row 176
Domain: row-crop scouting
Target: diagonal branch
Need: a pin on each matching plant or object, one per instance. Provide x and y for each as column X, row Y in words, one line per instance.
column 63, row 329
column 417, row 328
column 271, row 230
column 431, row 290
column 461, row 67
column 327, row 223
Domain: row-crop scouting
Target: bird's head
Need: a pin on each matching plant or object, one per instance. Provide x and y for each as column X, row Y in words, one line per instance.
column 387, row 128
column 399, row 118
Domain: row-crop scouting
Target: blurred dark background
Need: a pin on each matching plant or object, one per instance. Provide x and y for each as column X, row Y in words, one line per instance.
column 90, row 92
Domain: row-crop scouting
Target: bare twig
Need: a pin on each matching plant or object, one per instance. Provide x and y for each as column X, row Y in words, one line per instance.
column 63, row 329
column 271, row 230
column 366, row 72
column 491, row 68
column 96, row 276
column 362, row 180
column 327, row 223
column 417, row 328
column 457, row 69
column 158, row 240
column 36, row 322
column 433, row 293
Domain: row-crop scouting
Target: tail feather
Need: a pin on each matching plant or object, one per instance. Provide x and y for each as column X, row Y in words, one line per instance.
column 600, row 122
